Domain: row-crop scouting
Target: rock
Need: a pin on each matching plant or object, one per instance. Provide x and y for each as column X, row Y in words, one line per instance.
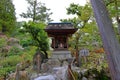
column 38, row 60
column 12, row 41
column 44, row 67
column 46, row 77
column 84, row 78
column 33, row 75
column 61, row 73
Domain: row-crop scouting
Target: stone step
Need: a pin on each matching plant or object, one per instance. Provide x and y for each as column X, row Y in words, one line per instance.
column 61, row 54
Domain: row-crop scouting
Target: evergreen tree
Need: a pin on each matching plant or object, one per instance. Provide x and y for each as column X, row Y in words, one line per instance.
column 37, row 11
column 39, row 15
column 7, row 16
column 83, row 14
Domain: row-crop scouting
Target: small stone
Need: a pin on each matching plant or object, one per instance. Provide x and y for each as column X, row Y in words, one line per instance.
column 84, row 78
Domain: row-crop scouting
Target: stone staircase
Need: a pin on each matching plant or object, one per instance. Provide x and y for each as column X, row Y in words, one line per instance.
column 61, row 54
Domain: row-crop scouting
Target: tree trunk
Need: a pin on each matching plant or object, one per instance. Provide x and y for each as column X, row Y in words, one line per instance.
column 110, row 42
column 34, row 10
column 77, row 51
column 119, row 28
column 4, row 29
column 46, row 55
column 118, row 22
column 77, row 57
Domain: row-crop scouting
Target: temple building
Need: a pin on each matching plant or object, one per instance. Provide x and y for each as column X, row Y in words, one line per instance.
column 59, row 33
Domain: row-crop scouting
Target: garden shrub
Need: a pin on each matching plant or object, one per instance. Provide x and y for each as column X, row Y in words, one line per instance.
column 10, row 61
column 14, row 51
column 3, row 42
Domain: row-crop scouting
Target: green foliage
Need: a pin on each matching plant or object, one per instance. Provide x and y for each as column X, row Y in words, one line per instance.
column 8, row 64
column 75, row 21
column 10, row 61
column 23, row 36
column 97, row 75
column 75, row 74
column 29, row 52
column 2, row 42
column 26, row 42
column 39, row 36
column 96, row 66
column 17, row 32
column 84, row 13
column 2, row 72
column 90, row 36
column 7, row 16
column 37, row 11
column 87, row 35
column 15, row 51
column 88, row 32
column 5, row 71
column 113, row 8
column 95, row 60
column 74, row 9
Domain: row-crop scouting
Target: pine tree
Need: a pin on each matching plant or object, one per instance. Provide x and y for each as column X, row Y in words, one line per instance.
column 37, row 11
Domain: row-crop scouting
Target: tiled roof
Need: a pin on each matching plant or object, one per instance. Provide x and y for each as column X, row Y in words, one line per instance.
column 60, row 26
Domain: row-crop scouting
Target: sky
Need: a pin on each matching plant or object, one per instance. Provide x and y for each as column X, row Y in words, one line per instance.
column 58, row 8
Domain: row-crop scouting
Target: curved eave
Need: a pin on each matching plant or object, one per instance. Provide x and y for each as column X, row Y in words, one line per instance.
column 60, row 31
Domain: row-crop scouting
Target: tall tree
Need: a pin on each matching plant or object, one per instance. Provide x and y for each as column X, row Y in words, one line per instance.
column 39, row 14
column 7, row 16
column 111, row 44
column 37, row 11
column 83, row 14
